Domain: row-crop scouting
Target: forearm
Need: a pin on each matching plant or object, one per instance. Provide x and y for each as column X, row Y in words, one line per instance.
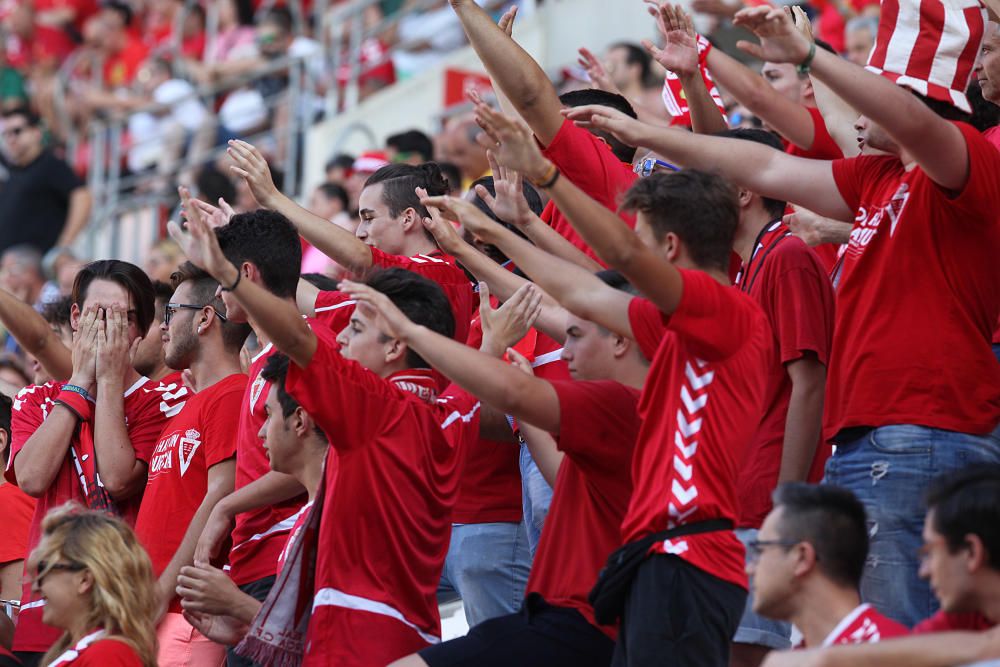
column 35, row 335
column 76, row 218
column 305, row 298
column 544, row 452
column 839, row 117
column 930, row 650
column 803, row 429
column 271, row 489
column 332, row 240
column 705, row 116
column 547, row 239
column 789, row 119
column 494, row 382
column 116, row 461
column 39, row 461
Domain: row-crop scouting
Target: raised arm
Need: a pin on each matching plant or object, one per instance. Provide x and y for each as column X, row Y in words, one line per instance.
column 278, row 319
column 494, row 382
column 936, row 144
column 513, row 71
column 35, row 335
column 334, row 241
column 764, row 170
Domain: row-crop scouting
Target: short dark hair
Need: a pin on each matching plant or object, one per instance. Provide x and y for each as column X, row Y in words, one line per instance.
column 321, row 282
column 203, row 291
column 31, row 118
column 341, row 160
column 281, row 18
column 985, row 114
column 617, row 279
column 636, row 55
column 412, row 141
column 422, row 300
column 269, row 241
column 945, row 110
column 57, row 313
column 579, row 98
column 774, row 207
column 335, row 191
column 399, row 181
column 967, row 502
column 699, row 207
column 451, row 173
column 275, row 371
column 161, row 295
column 833, row 521
column 6, row 405
column 129, row 276
column 213, row 184
column 122, row 9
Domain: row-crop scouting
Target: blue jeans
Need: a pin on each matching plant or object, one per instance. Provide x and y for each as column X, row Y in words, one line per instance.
column 754, row 628
column 487, row 566
column 889, row 470
column 536, row 495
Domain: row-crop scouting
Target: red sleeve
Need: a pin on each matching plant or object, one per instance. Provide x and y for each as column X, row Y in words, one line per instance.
column 944, row 622
column 145, row 427
column 850, row 176
column 219, row 435
column 823, row 147
column 594, row 419
column 589, row 163
column 27, row 415
column 981, row 195
column 333, row 310
column 108, row 653
column 384, row 260
column 344, row 398
column 713, row 319
column 459, row 412
column 799, row 304
column 647, row 325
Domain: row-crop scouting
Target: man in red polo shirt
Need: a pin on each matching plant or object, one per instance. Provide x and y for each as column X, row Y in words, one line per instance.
column 88, row 440
column 193, row 465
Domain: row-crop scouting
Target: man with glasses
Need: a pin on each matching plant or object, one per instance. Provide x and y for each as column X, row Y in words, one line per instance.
column 42, row 202
column 194, row 463
column 805, row 567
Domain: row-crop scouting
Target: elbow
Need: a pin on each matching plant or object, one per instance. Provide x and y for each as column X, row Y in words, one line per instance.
column 122, row 487
column 31, row 486
column 622, row 252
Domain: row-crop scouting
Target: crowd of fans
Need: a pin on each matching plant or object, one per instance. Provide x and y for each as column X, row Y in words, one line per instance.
column 681, row 364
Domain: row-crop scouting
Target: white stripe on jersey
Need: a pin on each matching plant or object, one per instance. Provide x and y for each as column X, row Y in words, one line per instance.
column 331, row 597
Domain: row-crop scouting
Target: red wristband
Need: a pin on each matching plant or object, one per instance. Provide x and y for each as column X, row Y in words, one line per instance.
column 83, row 408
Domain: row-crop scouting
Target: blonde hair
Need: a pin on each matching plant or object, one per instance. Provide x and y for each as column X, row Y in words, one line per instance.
column 123, row 597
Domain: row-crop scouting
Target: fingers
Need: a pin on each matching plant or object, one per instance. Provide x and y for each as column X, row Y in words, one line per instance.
column 751, row 48
column 506, row 22
column 519, row 361
column 226, row 209
column 487, row 198
column 495, row 168
column 485, row 306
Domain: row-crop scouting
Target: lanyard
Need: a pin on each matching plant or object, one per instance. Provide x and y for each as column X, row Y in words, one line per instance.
column 746, row 286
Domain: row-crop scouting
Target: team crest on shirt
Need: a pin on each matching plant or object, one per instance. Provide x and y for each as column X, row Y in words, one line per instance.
column 867, row 221
column 186, row 448
column 255, row 390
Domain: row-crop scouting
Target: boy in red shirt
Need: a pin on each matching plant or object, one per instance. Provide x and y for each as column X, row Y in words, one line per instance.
column 914, row 385
column 68, row 444
column 710, row 347
column 806, row 564
column 193, row 465
column 596, row 423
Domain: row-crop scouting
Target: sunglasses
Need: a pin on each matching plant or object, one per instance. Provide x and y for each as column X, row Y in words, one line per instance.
column 172, row 309
column 45, row 569
column 648, row 165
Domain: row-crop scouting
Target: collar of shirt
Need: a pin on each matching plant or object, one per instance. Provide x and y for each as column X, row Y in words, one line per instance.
column 419, row 381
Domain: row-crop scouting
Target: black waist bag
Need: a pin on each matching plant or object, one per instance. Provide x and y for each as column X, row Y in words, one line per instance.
column 607, row 597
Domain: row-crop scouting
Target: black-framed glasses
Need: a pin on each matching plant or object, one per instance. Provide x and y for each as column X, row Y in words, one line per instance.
column 172, row 308
column 46, row 568
column 756, row 547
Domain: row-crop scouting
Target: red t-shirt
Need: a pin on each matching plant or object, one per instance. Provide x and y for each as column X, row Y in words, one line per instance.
column 387, row 516
column 99, row 653
column 823, row 146
column 992, row 135
column 785, row 278
column 701, row 404
column 144, row 419
column 942, row 621
column 260, row 534
column 121, row 68
column 300, row 520
column 194, row 441
column 599, row 423
column 919, row 296
column 173, row 393
column 591, row 165
column 864, row 625
column 16, row 511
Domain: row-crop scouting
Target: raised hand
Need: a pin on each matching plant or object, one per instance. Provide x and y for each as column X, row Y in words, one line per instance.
column 519, row 361
column 511, row 140
column 509, row 204
column 85, row 349
column 199, row 242
column 802, row 23
column 215, row 216
column 503, row 327
column 442, row 230
column 389, row 319
column 680, row 52
column 114, row 351
column 595, row 116
column 780, row 41
column 595, row 70
column 506, row 22
column 251, row 166
column 471, row 218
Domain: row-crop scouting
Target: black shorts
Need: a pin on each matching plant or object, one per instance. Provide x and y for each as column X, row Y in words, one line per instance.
column 678, row 615
column 259, row 591
column 540, row 634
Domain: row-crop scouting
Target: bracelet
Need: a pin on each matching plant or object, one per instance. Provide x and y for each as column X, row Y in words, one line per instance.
column 548, row 177
column 79, row 390
column 803, row 67
column 239, row 277
column 551, row 181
